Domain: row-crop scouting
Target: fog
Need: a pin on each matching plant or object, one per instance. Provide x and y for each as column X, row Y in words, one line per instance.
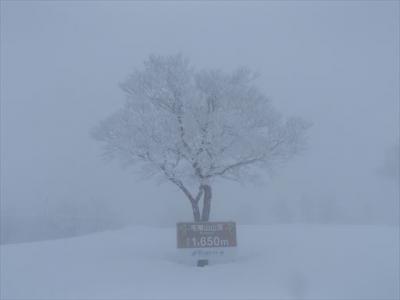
column 333, row 63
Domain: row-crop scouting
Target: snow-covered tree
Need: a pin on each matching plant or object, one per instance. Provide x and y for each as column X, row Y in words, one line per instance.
column 192, row 127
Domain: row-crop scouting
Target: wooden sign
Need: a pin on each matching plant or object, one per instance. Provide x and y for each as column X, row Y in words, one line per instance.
column 206, row 235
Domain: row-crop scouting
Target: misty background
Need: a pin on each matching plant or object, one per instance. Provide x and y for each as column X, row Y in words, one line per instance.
column 333, row 63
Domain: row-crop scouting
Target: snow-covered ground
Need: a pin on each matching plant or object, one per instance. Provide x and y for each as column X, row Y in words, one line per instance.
column 278, row 262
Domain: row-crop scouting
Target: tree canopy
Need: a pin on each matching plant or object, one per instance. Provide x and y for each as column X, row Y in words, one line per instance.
column 192, row 126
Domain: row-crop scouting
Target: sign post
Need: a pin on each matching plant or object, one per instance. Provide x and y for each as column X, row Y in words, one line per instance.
column 206, row 240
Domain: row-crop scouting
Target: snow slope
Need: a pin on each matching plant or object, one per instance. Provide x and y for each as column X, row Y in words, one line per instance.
column 276, row 262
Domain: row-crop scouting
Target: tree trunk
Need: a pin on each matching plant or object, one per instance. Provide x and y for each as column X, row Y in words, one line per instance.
column 205, row 191
column 196, row 210
column 205, row 215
